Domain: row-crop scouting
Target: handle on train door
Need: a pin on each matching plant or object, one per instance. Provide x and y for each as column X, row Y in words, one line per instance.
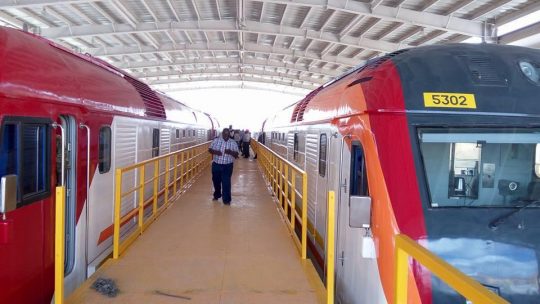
column 63, row 158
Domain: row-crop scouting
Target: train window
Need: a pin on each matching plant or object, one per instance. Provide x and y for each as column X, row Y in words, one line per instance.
column 184, row 133
column 537, row 161
column 25, row 152
column 177, row 133
column 8, row 150
column 104, row 150
column 481, row 167
column 155, row 142
column 322, row 154
column 295, row 147
column 359, row 180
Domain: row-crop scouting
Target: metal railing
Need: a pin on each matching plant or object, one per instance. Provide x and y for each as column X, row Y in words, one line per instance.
column 281, row 176
column 465, row 285
column 59, row 244
column 170, row 174
column 331, row 247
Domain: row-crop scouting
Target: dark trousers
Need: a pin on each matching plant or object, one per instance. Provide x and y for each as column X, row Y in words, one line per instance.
column 221, row 177
column 245, row 149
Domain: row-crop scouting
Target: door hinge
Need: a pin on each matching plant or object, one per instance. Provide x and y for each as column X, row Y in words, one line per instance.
column 344, row 186
column 342, row 258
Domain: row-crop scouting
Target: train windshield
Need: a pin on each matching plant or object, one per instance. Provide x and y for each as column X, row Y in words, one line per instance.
column 481, row 167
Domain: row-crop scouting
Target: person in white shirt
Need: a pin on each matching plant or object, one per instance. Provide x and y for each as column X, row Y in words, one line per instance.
column 245, row 143
column 224, row 151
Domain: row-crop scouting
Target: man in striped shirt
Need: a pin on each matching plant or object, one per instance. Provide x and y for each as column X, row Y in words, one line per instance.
column 224, row 151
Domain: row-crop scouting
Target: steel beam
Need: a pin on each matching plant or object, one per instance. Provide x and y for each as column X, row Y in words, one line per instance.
column 226, row 61
column 219, row 47
column 528, row 31
column 222, row 25
column 399, row 14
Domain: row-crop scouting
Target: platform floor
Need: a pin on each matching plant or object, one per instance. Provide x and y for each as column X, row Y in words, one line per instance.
column 207, row 252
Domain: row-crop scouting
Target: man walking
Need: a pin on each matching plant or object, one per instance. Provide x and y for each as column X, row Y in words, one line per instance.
column 224, row 151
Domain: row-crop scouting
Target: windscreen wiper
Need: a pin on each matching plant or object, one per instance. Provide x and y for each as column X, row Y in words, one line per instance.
column 501, row 219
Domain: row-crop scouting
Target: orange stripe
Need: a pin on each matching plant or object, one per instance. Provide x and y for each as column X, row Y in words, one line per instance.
column 108, row 232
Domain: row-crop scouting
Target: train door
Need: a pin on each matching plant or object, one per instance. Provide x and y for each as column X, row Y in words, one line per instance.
column 26, row 250
column 66, row 138
column 316, row 168
column 357, row 279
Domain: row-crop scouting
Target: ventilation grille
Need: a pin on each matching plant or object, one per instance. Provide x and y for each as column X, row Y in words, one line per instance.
column 484, row 72
column 298, row 113
column 152, row 102
column 378, row 61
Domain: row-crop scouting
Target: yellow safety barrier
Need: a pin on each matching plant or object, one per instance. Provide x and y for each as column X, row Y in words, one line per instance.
column 330, row 259
column 466, row 286
column 281, row 176
column 171, row 173
column 59, row 244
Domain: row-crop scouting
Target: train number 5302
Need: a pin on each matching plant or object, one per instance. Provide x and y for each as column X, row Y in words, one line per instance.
column 449, row 100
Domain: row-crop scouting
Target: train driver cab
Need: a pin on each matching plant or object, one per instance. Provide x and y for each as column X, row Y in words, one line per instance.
column 481, row 167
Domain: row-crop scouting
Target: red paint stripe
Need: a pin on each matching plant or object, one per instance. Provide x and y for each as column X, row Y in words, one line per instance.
column 397, row 159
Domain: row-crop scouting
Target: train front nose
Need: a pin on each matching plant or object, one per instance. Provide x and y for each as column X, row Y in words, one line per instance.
column 507, row 269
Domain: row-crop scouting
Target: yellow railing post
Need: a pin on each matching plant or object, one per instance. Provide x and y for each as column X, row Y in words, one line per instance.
column 273, row 172
column 175, row 172
column 280, row 193
column 182, row 170
column 59, row 244
column 141, row 198
column 402, row 271
column 190, row 164
column 304, row 216
column 156, row 187
column 167, row 178
column 117, row 205
column 331, row 247
column 293, row 202
column 286, row 200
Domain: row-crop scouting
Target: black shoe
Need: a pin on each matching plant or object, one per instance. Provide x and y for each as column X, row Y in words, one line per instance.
column 216, row 198
column 226, row 203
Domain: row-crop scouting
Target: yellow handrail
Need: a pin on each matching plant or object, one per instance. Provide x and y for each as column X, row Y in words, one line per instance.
column 59, row 244
column 277, row 171
column 168, row 184
column 330, row 259
column 466, row 286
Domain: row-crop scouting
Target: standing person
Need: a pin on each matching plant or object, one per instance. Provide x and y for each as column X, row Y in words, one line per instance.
column 245, row 143
column 237, row 138
column 224, row 151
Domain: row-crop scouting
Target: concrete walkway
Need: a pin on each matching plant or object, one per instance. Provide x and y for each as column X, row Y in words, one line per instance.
column 206, row 252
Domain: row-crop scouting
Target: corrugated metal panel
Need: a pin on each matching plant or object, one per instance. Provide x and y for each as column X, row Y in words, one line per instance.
column 312, row 162
column 165, row 141
column 125, row 154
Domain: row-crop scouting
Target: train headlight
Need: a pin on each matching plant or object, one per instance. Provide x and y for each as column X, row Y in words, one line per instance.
column 530, row 71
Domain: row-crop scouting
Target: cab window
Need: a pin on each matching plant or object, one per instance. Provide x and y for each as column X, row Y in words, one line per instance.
column 24, row 152
column 359, row 180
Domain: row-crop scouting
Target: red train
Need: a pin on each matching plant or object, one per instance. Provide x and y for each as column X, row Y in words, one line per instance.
column 441, row 143
column 52, row 98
